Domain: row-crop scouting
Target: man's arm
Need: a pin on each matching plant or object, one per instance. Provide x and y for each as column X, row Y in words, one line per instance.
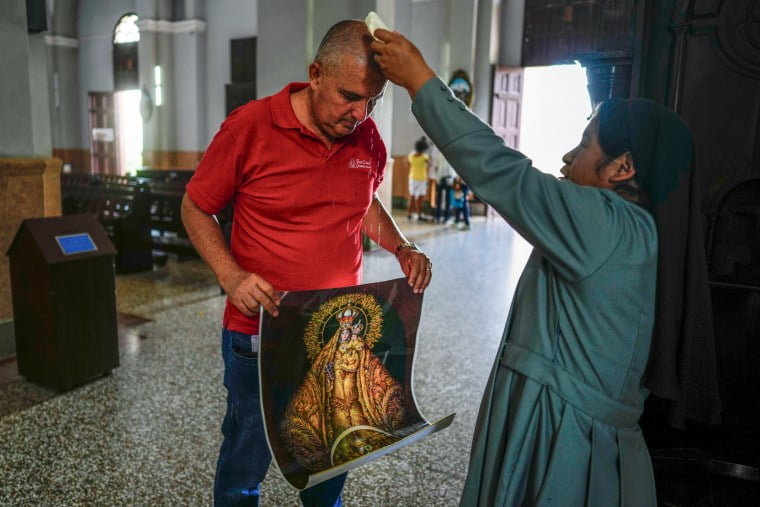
column 381, row 229
column 245, row 290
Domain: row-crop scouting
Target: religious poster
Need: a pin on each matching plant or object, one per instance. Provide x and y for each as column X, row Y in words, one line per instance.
column 335, row 368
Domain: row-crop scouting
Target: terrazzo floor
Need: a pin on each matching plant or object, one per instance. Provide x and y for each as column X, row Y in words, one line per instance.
column 148, row 433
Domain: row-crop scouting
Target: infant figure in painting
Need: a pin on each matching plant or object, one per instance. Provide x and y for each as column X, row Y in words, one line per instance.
column 347, row 411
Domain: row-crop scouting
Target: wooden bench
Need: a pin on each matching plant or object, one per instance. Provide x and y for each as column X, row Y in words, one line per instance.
column 121, row 206
column 167, row 230
column 167, row 191
column 140, row 213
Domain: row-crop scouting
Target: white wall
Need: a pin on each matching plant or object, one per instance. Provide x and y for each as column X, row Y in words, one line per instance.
column 96, row 24
column 282, row 42
column 405, row 129
column 38, row 86
column 63, row 74
column 481, row 74
column 229, row 19
column 195, row 65
column 62, row 17
column 65, row 110
column 25, row 120
column 189, row 91
column 460, row 36
column 442, row 30
column 288, row 32
column 511, row 16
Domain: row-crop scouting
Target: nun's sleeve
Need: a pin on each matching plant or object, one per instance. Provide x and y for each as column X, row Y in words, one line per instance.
column 576, row 228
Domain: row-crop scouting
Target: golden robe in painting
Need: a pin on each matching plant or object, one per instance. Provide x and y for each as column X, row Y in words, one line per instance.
column 348, row 404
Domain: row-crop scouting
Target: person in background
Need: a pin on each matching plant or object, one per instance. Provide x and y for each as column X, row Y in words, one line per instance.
column 460, row 204
column 419, row 164
column 443, row 175
column 301, row 169
column 558, row 424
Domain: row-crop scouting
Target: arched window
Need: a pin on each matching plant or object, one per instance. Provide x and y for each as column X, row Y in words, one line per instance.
column 126, row 34
column 126, row 30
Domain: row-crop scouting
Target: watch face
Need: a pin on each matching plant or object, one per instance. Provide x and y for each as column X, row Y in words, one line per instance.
column 405, row 246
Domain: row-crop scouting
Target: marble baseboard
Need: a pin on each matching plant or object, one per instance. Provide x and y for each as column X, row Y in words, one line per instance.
column 171, row 159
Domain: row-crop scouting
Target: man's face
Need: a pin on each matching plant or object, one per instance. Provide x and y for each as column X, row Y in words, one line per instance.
column 343, row 95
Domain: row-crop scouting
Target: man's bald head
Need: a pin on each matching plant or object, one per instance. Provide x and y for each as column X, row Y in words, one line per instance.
column 344, row 39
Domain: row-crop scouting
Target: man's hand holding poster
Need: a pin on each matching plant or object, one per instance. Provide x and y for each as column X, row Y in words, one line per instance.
column 335, row 371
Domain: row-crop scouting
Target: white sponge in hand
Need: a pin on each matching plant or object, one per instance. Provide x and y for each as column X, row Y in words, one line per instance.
column 374, row 22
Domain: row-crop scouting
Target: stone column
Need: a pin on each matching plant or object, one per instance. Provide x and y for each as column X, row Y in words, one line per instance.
column 25, row 125
column 29, row 187
column 481, row 75
column 174, row 133
column 63, row 84
column 29, row 178
column 383, row 116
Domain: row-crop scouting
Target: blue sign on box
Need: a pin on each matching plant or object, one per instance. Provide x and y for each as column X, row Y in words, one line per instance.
column 76, row 243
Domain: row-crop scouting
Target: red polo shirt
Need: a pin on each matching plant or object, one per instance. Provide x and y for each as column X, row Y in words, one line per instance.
column 298, row 206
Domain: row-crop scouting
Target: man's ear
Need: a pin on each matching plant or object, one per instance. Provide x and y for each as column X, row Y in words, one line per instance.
column 624, row 169
column 315, row 74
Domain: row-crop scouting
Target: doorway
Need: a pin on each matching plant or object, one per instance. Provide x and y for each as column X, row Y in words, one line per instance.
column 103, row 154
column 129, row 130
column 127, row 95
column 555, row 109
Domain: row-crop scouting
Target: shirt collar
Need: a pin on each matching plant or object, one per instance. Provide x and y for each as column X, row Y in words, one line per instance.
column 284, row 116
column 282, row 111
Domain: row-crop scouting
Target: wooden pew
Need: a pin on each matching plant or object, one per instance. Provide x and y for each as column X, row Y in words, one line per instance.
column 122, row 207
column 141, row 213
column 166, row 191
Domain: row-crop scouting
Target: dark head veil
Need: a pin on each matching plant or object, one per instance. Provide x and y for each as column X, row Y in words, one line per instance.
column 682, row 365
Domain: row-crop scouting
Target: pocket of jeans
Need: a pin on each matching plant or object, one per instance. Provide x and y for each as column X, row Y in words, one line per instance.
column 240, row 348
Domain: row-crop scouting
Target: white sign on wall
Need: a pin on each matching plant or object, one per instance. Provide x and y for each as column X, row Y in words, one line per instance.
column 103, row 134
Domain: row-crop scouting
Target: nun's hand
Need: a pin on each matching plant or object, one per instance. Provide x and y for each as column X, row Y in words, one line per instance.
column 401, row 61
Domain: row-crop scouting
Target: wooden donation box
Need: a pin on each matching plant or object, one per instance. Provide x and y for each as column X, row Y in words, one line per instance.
column 64, row 300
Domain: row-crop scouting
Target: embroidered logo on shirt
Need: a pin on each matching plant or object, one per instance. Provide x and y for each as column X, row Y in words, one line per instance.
column 356, row 163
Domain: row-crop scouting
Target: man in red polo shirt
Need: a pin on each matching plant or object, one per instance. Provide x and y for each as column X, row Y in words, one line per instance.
column 301, row 168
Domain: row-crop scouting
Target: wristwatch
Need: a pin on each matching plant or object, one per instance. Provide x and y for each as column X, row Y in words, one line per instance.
column 405, row 246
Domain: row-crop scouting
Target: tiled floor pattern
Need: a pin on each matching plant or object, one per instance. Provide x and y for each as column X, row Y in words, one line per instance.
column 148, row 433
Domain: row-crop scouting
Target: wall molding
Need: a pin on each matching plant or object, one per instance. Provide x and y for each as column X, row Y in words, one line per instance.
column 61, row 41
column 171, row 160
column 164, row 26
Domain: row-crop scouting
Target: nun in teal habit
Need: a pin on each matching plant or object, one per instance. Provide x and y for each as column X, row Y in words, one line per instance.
column 558, row 424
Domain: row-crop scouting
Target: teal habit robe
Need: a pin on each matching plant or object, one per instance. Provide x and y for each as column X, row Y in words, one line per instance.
column 558, row 424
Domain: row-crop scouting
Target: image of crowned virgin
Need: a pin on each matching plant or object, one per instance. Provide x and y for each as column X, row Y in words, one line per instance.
column 348, row 404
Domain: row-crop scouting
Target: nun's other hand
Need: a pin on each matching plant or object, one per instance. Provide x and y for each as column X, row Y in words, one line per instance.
column 401, row 61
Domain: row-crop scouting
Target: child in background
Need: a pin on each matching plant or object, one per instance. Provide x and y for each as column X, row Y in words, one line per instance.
column 460, row 205
column 419, row 163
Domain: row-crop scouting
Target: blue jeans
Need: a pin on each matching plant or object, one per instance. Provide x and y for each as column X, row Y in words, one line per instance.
column 442, row 198
column 244, row 456
column 463, row 213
